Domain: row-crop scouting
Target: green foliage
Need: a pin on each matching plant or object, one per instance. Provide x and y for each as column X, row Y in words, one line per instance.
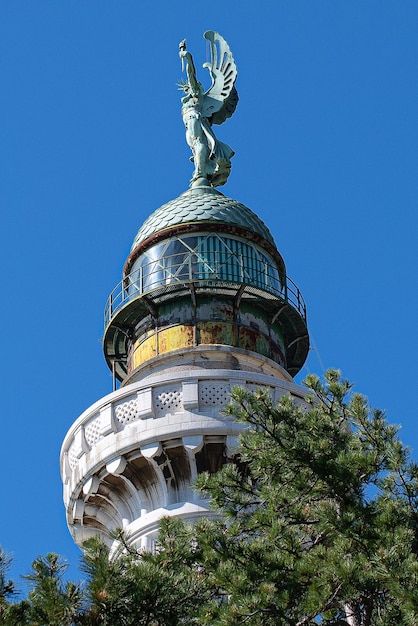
column 319, row 514
column 7, row 590
column 131, row 588
column 318, row 524
column 52, row 601
column 158, row 589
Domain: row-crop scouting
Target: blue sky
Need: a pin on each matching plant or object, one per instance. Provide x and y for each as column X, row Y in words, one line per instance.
column 92, row 141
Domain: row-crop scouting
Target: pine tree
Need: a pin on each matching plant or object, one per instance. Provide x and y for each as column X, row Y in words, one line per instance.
column 136, row 588
column 52, row 601
column 319, row 515
column 318, row 524
column 7, row 591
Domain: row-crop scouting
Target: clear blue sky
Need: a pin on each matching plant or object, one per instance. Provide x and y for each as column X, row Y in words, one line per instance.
column 91, row 142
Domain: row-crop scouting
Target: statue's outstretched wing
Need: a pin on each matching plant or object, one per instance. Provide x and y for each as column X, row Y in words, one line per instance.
column 220, row 101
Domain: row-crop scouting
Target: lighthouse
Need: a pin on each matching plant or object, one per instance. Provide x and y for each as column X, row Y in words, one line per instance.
column 204, row 304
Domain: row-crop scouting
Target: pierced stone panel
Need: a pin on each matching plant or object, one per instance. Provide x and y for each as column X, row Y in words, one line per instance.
column 72, row 457
column 92, row 431
column 168, row 399
column 126, row 412
column 213, row 394
column 253, row 387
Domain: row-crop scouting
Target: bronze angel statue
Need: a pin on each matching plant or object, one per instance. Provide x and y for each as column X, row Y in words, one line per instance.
column 201, row 109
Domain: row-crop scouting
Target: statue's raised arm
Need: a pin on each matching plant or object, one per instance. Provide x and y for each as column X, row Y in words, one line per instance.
column 192, row 82
column 200, row 109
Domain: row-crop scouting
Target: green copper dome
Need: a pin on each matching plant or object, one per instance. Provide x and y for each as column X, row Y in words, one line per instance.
column 202, row 204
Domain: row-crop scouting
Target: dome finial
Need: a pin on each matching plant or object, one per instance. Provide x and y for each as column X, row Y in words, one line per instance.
column 200, row 109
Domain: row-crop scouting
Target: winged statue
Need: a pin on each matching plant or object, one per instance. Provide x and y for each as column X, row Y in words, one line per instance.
column 201, row 109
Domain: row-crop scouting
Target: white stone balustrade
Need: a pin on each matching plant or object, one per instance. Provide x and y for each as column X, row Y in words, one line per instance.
column 143, row 423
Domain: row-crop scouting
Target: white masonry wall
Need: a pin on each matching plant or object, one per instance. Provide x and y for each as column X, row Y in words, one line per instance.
column 132, row 457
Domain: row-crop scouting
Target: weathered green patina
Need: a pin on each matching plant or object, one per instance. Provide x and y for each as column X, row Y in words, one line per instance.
column 200, row 110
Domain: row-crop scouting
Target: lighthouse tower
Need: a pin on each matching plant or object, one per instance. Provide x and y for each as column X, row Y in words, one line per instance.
column 204, row 304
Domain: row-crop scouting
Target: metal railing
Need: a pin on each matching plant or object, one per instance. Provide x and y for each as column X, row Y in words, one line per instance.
column 199, row 268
